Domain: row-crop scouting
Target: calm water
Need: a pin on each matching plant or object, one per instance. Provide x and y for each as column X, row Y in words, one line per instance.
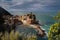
column 45, row 20
column 26, row 30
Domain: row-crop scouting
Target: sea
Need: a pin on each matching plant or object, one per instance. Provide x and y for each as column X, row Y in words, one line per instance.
column 46, row 20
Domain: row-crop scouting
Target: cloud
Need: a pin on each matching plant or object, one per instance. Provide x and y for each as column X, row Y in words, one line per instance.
column 32, row 5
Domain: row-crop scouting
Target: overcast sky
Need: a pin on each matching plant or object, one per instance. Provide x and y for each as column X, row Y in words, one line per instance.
column 31, row 5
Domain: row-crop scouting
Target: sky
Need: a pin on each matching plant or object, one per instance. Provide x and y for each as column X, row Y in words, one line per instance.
column 31, row 5
column 40, row 7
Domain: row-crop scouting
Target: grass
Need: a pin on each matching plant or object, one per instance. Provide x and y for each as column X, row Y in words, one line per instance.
column 17, row 36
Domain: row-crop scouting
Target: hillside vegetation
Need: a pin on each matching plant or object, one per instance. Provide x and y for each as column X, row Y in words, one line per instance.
column 54, row 32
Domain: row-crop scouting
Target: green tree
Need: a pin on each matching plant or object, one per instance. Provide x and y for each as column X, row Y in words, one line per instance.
column 54, row 32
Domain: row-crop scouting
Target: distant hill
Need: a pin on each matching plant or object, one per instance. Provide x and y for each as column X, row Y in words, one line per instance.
column 3, row 12
column 3, row 27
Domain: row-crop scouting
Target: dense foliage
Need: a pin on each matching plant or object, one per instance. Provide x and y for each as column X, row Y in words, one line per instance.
column 54, row 33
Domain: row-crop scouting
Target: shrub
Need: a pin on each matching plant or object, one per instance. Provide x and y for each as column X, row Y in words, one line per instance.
column 54, row 32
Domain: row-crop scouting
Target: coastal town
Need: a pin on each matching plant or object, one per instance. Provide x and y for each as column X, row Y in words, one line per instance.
column 10, row 22
column 13, row 27
column 28, row 19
